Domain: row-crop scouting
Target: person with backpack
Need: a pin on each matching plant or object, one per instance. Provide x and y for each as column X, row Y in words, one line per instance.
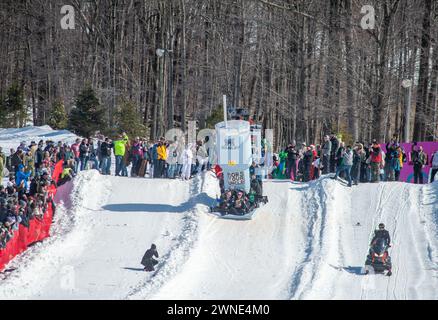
column 434, row 164
column 419, row 160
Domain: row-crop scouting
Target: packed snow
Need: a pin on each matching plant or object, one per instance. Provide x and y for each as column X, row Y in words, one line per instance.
column 309, row 242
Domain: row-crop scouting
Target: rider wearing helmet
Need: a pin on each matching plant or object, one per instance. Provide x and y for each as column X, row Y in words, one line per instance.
column 381, row 233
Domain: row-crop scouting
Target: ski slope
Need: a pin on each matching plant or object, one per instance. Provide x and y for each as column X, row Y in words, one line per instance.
column 309, row 242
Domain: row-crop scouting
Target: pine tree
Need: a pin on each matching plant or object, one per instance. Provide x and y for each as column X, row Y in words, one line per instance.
column 58, row 117
column 216, row 116
column 87, row 116
column 127, row 120
column 13, row 107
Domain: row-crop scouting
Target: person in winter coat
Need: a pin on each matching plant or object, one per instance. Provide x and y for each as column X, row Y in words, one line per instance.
column 334, row 150
column 137, row 156
column 358, row 155
column 434, row 164
column 291, row 161
column 2, row 162
column 202, row 157
column 84, row 153
column 307, row 164
column 161, row 157
column 187, row 162
column 419, row 160
column 381, row 233
column 119, row 152
column 400, row 158
column 75, row 148
column 376, row 161
column 325, row 155
column 172, row 159
column 148, row 260
column 17, row 159
column 105, row 156
column 21, row 178
column 346, row 164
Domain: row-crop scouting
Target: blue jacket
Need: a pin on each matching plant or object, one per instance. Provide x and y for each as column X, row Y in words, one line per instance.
column 22, row 176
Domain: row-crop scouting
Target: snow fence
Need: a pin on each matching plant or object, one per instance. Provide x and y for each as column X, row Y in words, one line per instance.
column 38, row 229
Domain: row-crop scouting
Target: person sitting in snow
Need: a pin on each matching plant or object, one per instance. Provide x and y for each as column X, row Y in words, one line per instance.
column 148, row 260
column 381, row 233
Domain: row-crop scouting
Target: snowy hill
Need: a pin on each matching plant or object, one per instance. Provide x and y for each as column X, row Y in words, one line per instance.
column 11, row 138
column 305, row 244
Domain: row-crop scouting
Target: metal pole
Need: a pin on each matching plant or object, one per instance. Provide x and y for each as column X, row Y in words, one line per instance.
column 408, row 104
column 170, row 92
column 225, row 111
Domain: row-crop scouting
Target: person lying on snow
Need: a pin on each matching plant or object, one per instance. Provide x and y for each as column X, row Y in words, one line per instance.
column 148, row 260
column 381, row 233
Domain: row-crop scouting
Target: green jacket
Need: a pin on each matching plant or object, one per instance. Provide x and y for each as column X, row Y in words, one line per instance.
column 120, row 146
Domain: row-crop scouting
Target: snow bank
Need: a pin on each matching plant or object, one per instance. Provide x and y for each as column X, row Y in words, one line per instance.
column 71, row 227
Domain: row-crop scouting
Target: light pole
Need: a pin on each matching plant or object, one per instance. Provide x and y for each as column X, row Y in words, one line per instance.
column 170, row 108
column 407, row 84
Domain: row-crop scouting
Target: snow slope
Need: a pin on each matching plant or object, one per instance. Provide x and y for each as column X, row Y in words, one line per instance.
column 306, row 243
column 11, row 138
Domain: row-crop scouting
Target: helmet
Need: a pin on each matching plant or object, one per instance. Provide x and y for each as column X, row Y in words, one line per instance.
column 153, row 247
column 381, row 226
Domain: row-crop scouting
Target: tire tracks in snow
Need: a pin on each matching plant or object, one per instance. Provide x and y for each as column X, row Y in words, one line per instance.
column 173, row 261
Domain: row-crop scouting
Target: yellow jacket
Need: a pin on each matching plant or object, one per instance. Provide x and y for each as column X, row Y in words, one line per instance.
column 162, row 153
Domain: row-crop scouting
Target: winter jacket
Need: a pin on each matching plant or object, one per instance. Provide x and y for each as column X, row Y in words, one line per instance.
column 22, row 176
column 84, row 150
column 16, row 160
column 161, row 152
column 120, row 146
column 75, row 149
column 172, row 157
column 137, row 149
column 378, row 234
column 348, row 158
column 105, row 149
column 418, row 158
column 327, row 148
column 148, row 256
column 292, row 154
column 376, row 155
column 334, row 145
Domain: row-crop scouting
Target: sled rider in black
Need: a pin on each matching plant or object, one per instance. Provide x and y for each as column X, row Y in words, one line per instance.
column 381, row 233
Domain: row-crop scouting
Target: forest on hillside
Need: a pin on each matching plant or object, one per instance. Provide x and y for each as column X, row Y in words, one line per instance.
column 304, row 68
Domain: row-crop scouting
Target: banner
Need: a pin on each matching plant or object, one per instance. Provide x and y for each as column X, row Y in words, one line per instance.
column 38, row 229
column 407, row 173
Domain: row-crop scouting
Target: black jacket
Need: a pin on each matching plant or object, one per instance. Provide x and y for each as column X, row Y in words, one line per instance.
column 381, row 234
column 105, row 149
column 148, row 257
column 292, row 154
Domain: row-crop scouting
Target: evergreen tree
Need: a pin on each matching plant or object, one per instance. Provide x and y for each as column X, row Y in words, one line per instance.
column 128, row 120
column 87, row 116
column 58, row 117
column 13, row 108
column 216, row 116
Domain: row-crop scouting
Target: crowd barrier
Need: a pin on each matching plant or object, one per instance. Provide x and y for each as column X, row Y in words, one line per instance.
column 38, row 229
